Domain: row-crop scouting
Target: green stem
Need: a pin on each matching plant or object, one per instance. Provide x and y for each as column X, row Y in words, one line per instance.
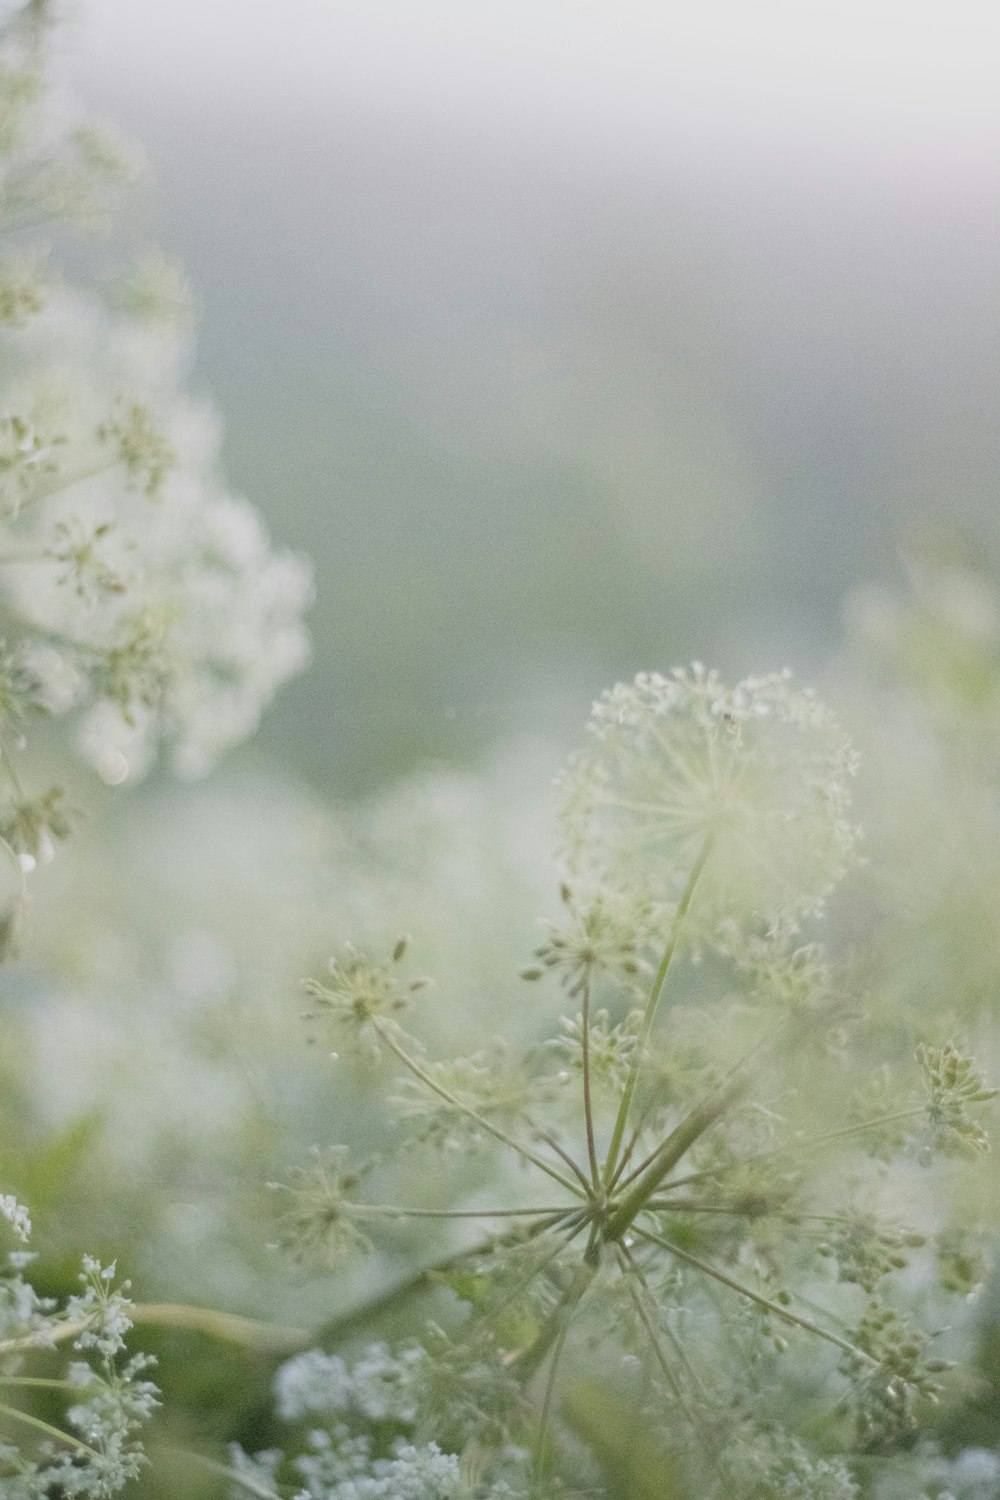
column 588, row 1111
column 523, row 1282
column 529, row 1361
column 629, row 1151
column 39, row 1380
column 384, row 1302
column 649, row 1014
column 550, row 1385
column 692, row 1206
column 469, row 1112
column 724, row 1084
column 390, row 1211
column 229, row 1327
column 45, row 1340
column 252, row 1486
column 630, row 1269
column 774, row 1308
column 550, row 1140
column 677, row 1144
column 49, row 1430
column 793, row 1146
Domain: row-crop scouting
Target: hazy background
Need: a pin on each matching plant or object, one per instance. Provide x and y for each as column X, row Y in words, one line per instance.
column 572, row 338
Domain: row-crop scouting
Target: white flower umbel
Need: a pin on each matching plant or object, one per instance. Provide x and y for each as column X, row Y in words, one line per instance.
column 129, row 561
column 107, row 1399
column 135, row 591
column 744, row 790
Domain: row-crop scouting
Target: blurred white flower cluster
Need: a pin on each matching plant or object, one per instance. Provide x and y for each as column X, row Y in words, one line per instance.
column 747, row 786
column 136, row 593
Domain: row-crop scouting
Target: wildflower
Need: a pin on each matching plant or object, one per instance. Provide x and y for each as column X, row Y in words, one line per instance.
column 108, row 1400
column 866, row 1251
column 601, row 935
column 124, row 559
column 609, row 1050
column 17, row 1216
column 319, row 1220
column 749, row 786
column 887, row 1392
column 488, row 1088
column 953, row 1085
column 30, row 826
column 23, row 289
column 361, row 997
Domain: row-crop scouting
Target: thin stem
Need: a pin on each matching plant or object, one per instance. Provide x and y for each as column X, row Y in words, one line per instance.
column 680, row 1140
column 384, row 1302
column 550, row 1140
column 791, row 1215
column 637, row 1172
column 46, row 1339
column 774, row 1308
column 588, row 1111
column 67, row 481
column 391, row 1211
column 39, row 1380
column 523, row 1282
column 649, row 1014
column 629, row 1151
column 675, row 1342
column 728, row 1079
column 49, row 1430
column 468, row 1111
column 550, row 1386
column 793, row 1146
column 631, row 1268
column 229, row 1327
column 531, row 1358
column 252, row 1486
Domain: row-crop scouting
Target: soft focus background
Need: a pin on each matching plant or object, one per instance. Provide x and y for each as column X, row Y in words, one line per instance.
column 567, row 338
column 570, row 338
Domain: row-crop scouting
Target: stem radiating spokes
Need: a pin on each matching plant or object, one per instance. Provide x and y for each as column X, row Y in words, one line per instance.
column 626, row 1203
column 652, row 1004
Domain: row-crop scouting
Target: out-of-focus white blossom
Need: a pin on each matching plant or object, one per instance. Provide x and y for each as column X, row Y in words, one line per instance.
column 17, row 1216
column 751, row 781
column 136, row 593
column 143, row 581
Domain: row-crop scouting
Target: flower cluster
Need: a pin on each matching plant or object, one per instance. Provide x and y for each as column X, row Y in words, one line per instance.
column 897, row 1377
column 602, row 935
column 137, row 595
column 398, row 1394
column 362, row 998
column 319, row 1219
column 108, row 1398
column 702, row 1173
column 745, row 789
column 953, row 1086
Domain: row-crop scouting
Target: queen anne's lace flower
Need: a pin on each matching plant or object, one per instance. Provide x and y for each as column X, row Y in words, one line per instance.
column 127, row 559
column 751, row 780
column 143, row 596
column 98, row 1450
column 16, row 1215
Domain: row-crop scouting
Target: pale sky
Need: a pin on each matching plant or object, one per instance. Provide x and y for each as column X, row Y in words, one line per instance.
column 907, row 77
